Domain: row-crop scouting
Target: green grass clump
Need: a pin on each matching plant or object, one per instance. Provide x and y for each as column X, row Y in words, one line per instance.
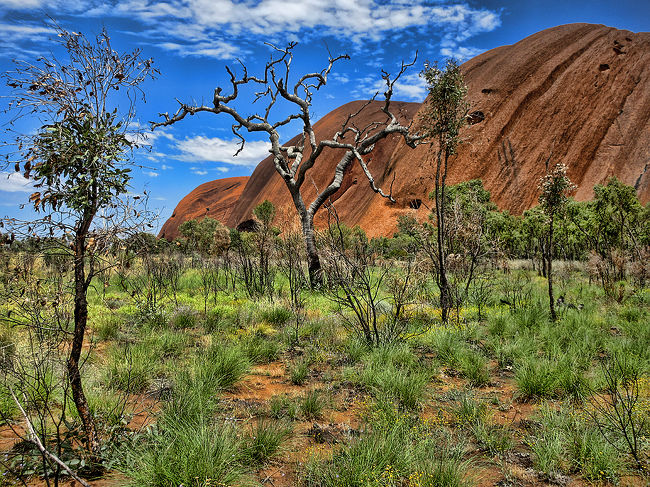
column 260, row 350
column 108, row 327
column 536, row 379
column 221, row 366
column 264, row 441
column 218, row 319
column 299, row 373
column 469, row 411
column 187, row 452
column 184, row 317
column 492, row 438
column 276, row 316
column 474, row 367
column 312, row 404
column 397, row 449
column 283, row 406
column 131, row 369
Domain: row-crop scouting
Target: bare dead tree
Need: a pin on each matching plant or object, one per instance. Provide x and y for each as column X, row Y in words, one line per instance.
column 294, row 162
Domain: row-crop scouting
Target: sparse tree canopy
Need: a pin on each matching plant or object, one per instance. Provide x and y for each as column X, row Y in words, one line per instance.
column 293, row 163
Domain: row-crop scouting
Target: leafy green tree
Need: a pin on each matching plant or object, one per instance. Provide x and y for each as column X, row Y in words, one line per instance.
column 444, row 116
column 207, row 236
column 79, row 160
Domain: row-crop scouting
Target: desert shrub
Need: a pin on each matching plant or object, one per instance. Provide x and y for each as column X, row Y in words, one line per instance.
column 218, row 319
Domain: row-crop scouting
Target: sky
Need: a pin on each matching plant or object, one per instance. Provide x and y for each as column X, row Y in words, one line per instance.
column 191, row 42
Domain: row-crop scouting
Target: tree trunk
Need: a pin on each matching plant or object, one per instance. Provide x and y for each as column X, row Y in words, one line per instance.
column 313, row 260
column 443, row 285
column 80, row 321
column 549, row 261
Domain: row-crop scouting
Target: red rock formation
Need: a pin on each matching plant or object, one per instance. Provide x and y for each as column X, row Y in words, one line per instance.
column 579, row 93
column 214, row 199
column 265, row 183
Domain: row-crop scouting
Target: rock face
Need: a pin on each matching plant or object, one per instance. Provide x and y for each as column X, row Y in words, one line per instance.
column 214, row 199
column 578, row 93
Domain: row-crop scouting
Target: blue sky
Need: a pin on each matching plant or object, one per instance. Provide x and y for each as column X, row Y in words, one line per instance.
column 192, row 40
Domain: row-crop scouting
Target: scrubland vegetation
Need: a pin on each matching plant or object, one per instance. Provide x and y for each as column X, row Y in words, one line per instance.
column 210, row 361
column 474, row 348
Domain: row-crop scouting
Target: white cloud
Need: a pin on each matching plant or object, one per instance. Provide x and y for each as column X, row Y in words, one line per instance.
column 22, row 4
column 460, row 53
column 152, row 174
column 15, row 182
column 216, row 49
column 214, row 28
column 201, row 148
column 165, row 167
column 24, row 31
column 209, row 27
column 223, row 169
column 266, row 17
column 197, row 171
column 410, row 87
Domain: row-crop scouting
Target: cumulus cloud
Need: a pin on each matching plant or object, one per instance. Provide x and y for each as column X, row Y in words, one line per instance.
column 15, row 182
column 213, row 28
column 215, row 149
column 152, row 174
